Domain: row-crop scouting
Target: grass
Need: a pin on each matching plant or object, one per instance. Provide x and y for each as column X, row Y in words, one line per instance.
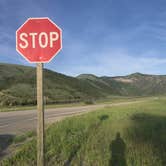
column 88, row 139
column 23, row 137
column 109, row 100
column 11, row 139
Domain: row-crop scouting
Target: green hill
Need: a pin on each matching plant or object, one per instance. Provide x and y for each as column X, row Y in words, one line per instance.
column 136, row 84
column 18, row 86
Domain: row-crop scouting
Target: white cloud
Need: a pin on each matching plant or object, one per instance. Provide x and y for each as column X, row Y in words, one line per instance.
column 118, row 62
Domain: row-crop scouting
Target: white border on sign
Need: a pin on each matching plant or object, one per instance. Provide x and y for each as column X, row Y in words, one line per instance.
column 33, row 18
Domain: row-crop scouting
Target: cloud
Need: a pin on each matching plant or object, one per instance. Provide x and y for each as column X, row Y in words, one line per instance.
column 99, row 38
column 113, row 62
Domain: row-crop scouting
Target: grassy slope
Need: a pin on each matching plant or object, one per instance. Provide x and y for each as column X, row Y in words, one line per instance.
column 108, row 100
column 147, row 84
column 140, row 85
column 86, row 139
column 18, row 86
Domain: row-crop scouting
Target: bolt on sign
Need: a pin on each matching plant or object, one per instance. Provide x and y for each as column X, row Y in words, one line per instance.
column 38, row 40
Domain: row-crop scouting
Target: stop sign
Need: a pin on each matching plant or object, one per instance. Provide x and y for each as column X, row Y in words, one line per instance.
column 39, row 40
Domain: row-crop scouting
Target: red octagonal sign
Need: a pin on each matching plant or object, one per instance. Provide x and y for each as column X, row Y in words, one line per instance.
column 39, row 40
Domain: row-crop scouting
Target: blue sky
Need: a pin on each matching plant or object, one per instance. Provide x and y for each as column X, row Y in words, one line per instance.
column 102, row 37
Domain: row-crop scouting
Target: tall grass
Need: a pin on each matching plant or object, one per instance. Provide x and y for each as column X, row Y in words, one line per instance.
column 87, row 139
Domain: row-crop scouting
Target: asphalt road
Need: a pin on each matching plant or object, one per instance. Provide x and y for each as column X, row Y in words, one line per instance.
column 22, row 121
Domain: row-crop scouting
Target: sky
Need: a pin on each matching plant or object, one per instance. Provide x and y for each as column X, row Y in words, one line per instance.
column 101, row 37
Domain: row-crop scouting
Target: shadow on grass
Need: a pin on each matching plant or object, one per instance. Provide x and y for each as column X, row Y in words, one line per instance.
column 118, row 150
column 5, row 141
column 72, row 155
column 150, row 129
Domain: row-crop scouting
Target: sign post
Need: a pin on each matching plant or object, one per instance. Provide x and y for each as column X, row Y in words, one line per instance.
column 38, row 40
column 40, row 112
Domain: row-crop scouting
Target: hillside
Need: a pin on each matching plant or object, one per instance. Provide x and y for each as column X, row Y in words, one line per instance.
column 136, row 84
column 18, row 86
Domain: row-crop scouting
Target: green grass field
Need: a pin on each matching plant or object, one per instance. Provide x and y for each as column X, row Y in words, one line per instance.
column 108, row 100
column 88, row 139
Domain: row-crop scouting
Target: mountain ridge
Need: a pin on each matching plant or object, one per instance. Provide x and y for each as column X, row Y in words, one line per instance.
column 18, row 86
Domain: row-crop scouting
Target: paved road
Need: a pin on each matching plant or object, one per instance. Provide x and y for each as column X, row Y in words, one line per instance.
column 22, row 121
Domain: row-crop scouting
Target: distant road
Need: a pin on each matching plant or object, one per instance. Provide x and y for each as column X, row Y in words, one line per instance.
column 18, row 122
